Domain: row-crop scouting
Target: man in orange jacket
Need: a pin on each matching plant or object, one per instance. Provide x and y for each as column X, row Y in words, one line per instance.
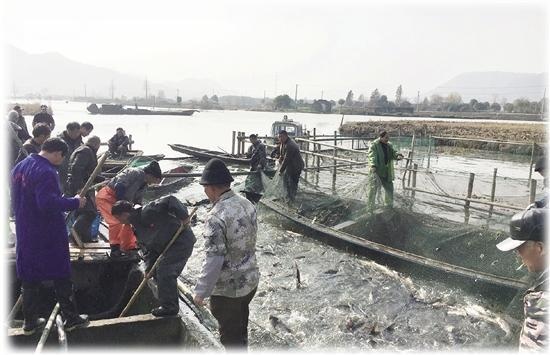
column 128, row 185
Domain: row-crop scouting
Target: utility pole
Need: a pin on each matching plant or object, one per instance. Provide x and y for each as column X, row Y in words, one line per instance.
column 417, row 101
column 542, row 105
column 146, row 90
column 296, row 97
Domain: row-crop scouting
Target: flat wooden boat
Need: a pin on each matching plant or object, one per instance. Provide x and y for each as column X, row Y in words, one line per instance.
column 133, row 158
column 168, row 184
column 350, row 236
column 205, row 154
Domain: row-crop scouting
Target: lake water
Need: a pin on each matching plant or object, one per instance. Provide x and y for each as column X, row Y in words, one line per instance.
column 345, row 301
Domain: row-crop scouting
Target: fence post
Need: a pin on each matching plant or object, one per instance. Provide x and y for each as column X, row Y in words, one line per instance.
column 334, row 162
column 130, row 142
column 532, row 162
column 233, row 143
column 415, row 167
column 242, row 142
column 532, row 191
column 429, row 150
column 469, row 195
column 493, row 189
column 307, row 156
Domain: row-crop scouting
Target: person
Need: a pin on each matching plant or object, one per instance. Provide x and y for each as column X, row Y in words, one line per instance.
column 291, row 164
column 541, row 201
column 72, row 137
column 528, row 230
column 256, row 153
column 118, row 144
column 42, row 250
column 230, row 272
column 20, row 120
column 128, row 185
column 86, row 128
column 154, row 225
column 380, row 160
column 17, row 137
column 40, row 133
column 82, row 163
column 43, row 117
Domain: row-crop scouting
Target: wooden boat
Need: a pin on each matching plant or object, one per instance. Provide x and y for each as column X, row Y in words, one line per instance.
column 171, row 183
column 343, row 234
column 205, row 155
column 115, row 109
column 103, row 287
column 133, row 157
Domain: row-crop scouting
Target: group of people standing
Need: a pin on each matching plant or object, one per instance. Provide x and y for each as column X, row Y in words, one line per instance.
column 40, row 201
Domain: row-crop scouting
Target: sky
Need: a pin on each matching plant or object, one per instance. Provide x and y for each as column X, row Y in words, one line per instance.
column 325, row 47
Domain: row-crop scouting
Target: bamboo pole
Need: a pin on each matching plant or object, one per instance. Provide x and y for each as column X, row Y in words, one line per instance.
column 15, row 308
column 479, row 140
column 47, row 328
column 493, row 189
column 532, row 162
column 334, row 162
column 429, row 151
column 155, row 265
column 332, row 146
column 61, row 335
column 469, row 196
column 307, row 156
column 242, row 143
column 233, row 135
column 415, row 167
column 532, row 191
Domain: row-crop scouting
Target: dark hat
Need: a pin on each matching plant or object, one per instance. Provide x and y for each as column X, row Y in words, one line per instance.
column 383, row 134
column 153, row 169
column 524, row 226
column 253, row 136
column 215, row 173
column 541, row 164
column 282, row 131
column 17, row 108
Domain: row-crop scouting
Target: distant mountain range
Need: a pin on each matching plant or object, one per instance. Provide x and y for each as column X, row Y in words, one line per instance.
column 494, row 86
column 53, row 74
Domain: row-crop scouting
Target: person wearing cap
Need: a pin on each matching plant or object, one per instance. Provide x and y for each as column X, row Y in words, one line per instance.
column 129, row 185
column 155, row 225
column 291, row 164
column 41, row 132
column 43, row 117
column 118, row 144
column 230, row 271
column 82, row 163
column 380, row 159
column 20, row 120
column 528, row 230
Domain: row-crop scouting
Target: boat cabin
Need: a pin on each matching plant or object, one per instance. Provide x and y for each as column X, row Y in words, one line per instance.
column 293, row 128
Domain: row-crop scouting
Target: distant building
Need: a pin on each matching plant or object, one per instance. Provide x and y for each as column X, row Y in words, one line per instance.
column 322, row 106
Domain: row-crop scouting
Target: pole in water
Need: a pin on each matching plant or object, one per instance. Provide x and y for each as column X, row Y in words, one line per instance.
column 469, row 195
column 493, row 189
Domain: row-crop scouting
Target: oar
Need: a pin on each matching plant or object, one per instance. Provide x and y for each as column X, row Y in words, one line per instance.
column 47, row 329
column 154, row 267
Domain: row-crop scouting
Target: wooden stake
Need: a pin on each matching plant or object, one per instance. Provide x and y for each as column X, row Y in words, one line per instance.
column 469, row 195
column 307, row 156
column 532, row 162
column 493, row 189
column 334, row 162
column 532, row 191
column 415, row 167
column 233, row 143
column 429, row 151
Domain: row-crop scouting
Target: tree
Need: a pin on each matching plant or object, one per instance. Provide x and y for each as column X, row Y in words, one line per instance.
column 375, row 96
column 436, row 101
column 341, row 102
column 473, row 103
column 398, row 93
column 508, row 107
column 361, row 98
column 454, row 98
column 349, row 98
column 495, row 106
column 283, row 102
column 214, row 98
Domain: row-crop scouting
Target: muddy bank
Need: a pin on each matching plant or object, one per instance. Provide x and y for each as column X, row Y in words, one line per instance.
column 504, row 132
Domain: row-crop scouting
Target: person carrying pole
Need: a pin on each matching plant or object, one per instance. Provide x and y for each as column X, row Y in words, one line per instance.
column 380, row 159
column 154, row 226
column 292, row 164
column 42, row 249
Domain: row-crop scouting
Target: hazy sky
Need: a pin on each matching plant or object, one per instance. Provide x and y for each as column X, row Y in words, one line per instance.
column 252, row 46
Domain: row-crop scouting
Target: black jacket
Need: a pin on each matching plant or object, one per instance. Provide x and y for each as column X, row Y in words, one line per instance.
column 257, row 155
column 81, row 165
column 44, row 117
column 292, row 159
column 63, row 169
column 155, row 224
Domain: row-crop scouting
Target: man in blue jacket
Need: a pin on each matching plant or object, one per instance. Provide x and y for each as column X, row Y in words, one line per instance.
column 42, row 249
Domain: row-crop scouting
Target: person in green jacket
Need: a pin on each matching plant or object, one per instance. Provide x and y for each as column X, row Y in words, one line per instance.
column 380, row 159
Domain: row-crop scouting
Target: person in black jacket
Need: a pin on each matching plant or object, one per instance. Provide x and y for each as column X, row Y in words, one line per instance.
column 81, row 165
column 72, row 137
column 43, row 117
column 154, row 225
column 291, row 164
column 118, row 144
